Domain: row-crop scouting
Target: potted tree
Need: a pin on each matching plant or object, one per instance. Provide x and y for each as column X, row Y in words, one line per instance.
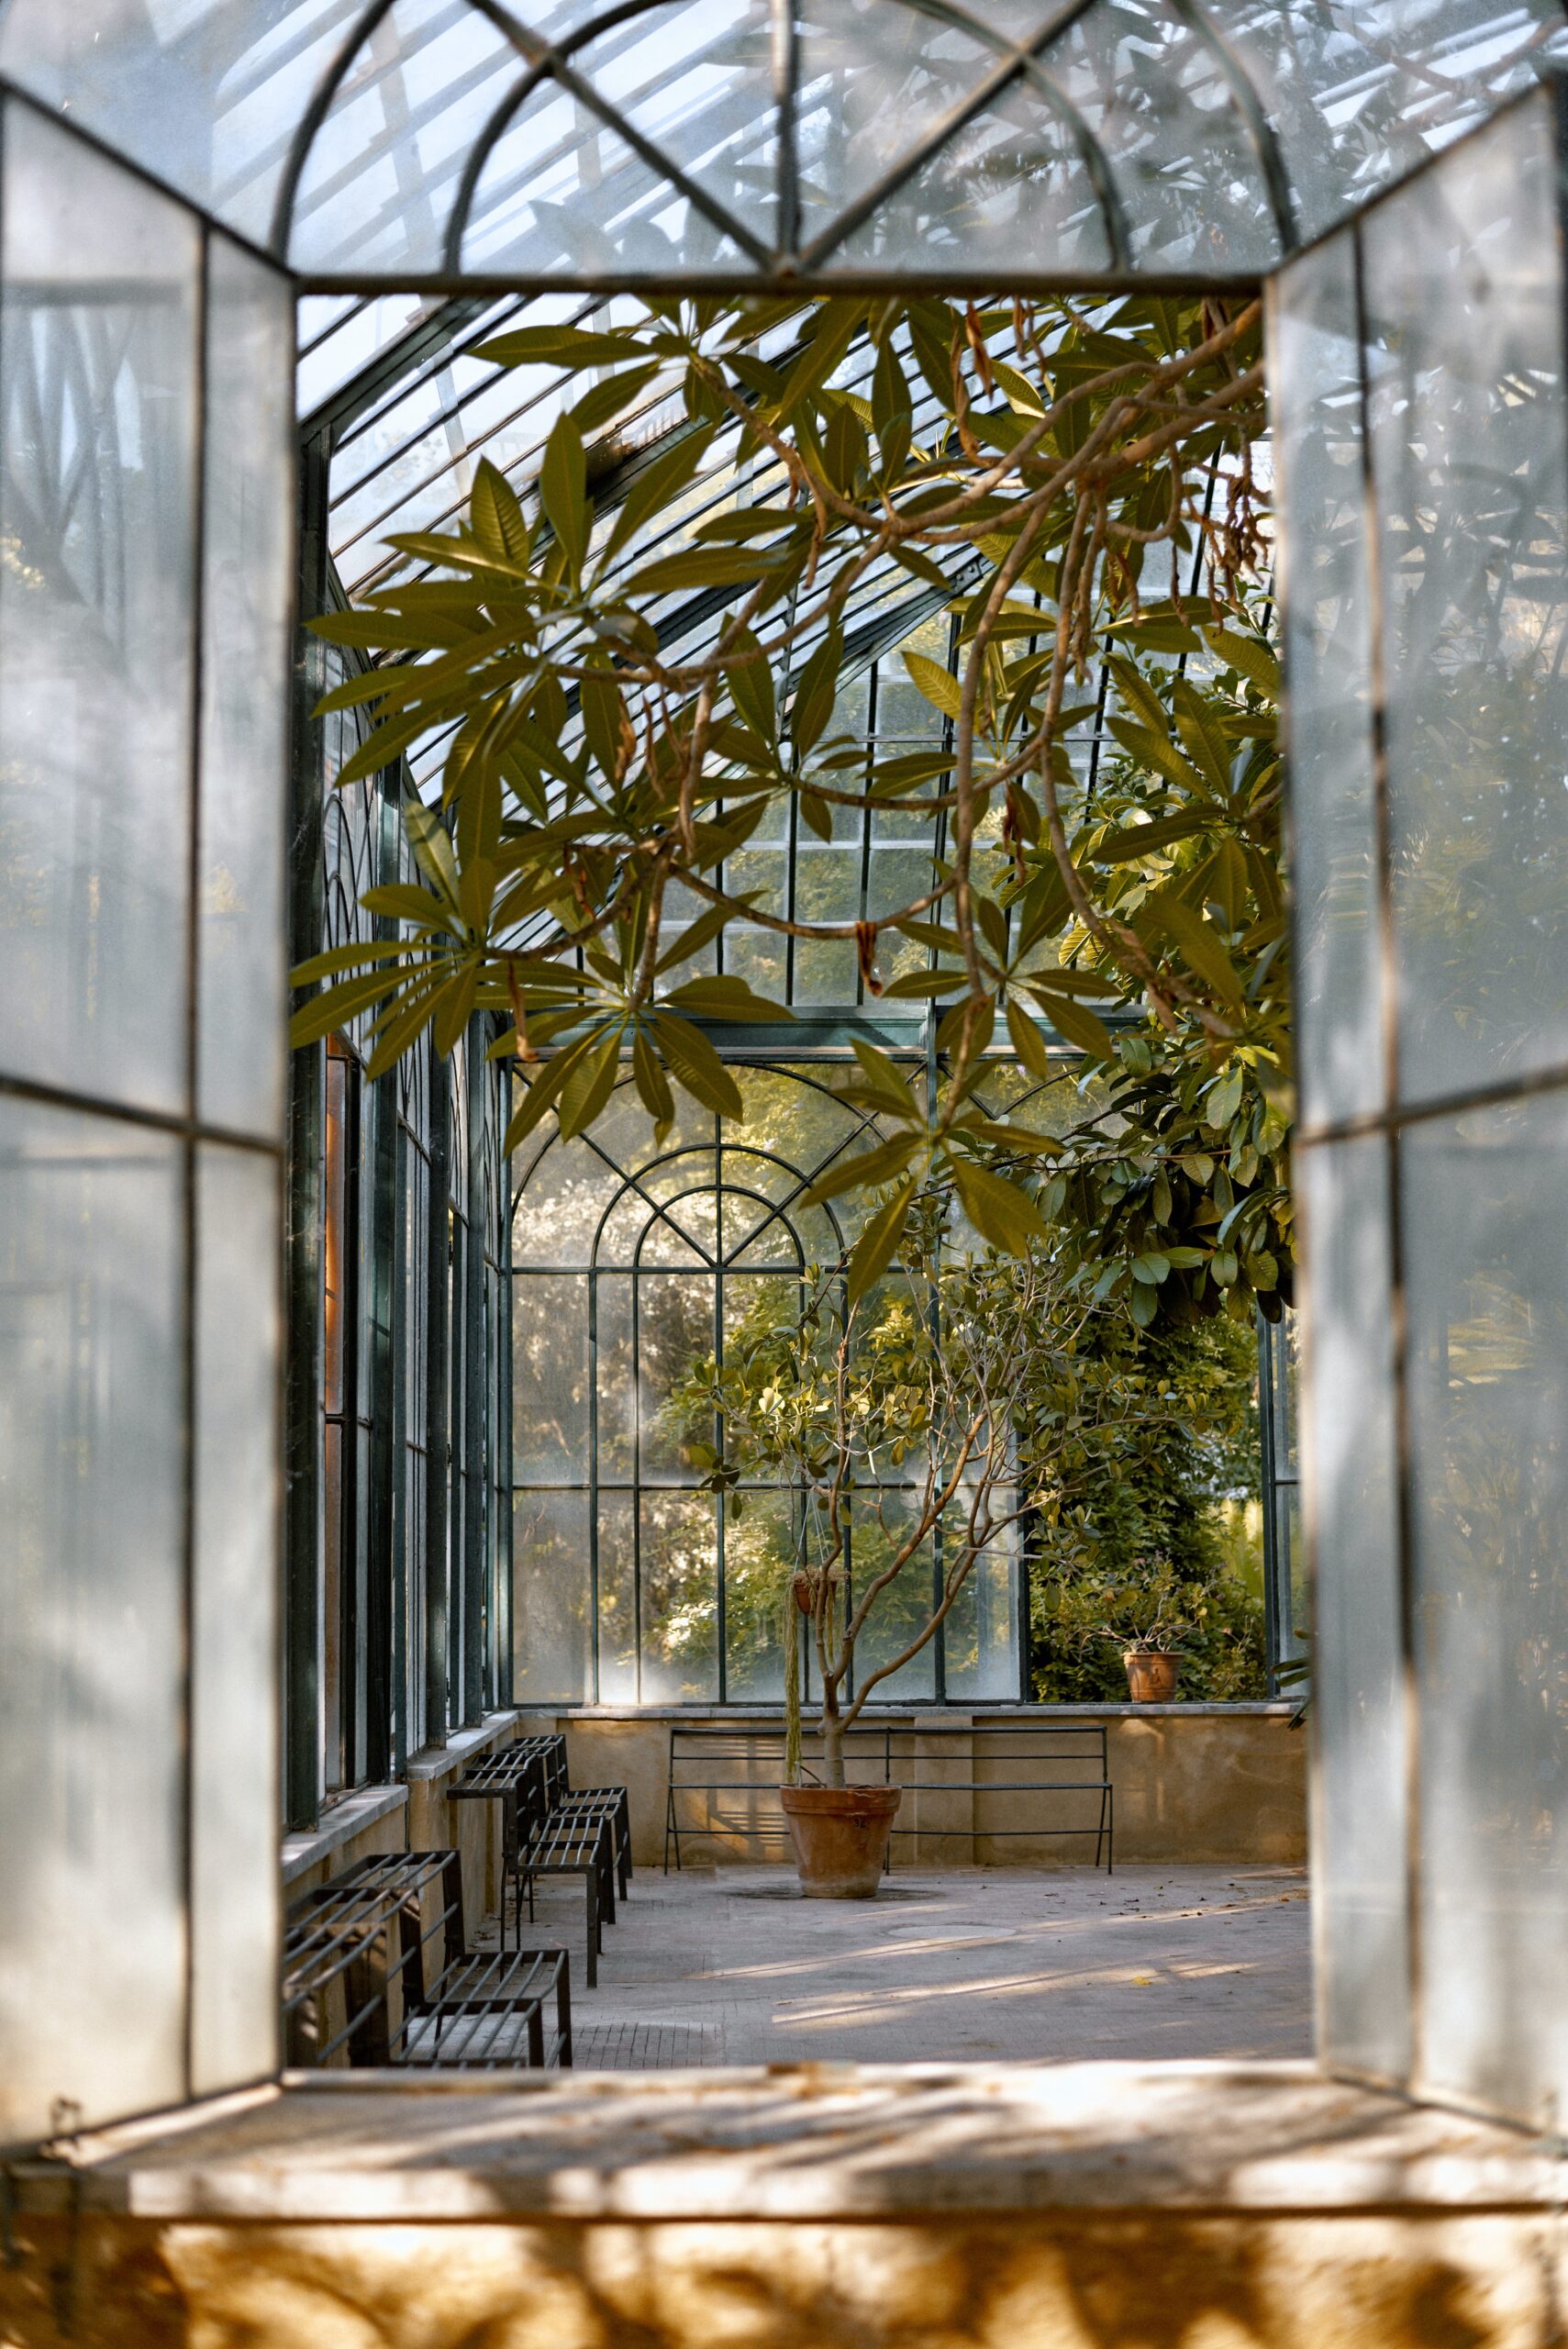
column 894, row 1412
column 1153, row 1657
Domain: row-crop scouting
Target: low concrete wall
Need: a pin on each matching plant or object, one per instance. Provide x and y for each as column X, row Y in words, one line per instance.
column 1092, row 2206
column 1222, row 1783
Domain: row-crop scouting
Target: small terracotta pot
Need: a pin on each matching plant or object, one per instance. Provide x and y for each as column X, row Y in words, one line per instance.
column 805, row 1584
column 839, row 1835
column 1151, row 1674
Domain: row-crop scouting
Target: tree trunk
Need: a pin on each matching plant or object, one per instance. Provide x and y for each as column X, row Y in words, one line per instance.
column 832, row 1748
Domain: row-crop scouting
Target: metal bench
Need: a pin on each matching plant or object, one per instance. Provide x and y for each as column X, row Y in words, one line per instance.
column 365, row 1939
column 1060, row 1758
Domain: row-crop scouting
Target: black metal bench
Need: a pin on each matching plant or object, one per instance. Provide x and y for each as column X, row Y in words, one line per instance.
column 1062, row 1758
column 365, row 1942
column 542, row 1837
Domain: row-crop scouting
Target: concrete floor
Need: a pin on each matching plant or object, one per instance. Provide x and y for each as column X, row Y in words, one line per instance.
column 731, row 1965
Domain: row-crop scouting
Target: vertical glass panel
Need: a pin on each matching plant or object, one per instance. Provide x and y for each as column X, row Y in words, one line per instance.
column 678, row 1588
column 549, row 1379
column 247, row 591
column 618, row 1584
column 1316, row 384
column 1359, row 1837
column 880, row 1526
column 1470, row 446
column 980, row 1637
column 551, row 1629
column 92, row 1597
column 234, row 1756
column 1485, row 1196
column 97, row 413
column 675, row 1334
column 758, row 1564
column 564, row 1196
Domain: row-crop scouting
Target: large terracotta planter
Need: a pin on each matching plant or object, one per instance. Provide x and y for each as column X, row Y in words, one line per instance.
column 839, row 1835
column 1150, row 1675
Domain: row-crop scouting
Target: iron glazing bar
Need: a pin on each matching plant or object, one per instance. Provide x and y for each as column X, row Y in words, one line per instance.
column 438, row 1309
column 476, row 1400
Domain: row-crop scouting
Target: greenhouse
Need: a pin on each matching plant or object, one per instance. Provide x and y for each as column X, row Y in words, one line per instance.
column 783, row 956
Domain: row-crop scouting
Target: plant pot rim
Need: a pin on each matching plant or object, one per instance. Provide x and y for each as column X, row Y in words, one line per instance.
column 1173, row 1654
column 846, row 1801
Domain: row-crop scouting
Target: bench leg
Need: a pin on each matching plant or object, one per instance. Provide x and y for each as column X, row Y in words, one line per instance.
column 591, row 1888
column 563, row 2014
column 535, row 2036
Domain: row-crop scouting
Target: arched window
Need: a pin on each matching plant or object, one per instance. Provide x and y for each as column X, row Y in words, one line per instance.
column 632, row 1263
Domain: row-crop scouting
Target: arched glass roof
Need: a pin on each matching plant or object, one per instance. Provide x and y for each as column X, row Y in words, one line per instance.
column 596, row 143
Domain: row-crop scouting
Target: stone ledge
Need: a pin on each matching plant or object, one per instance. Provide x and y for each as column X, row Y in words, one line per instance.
column 339, row 1826
column 904, row 1716
column 853, row 2145
column 439, row 1761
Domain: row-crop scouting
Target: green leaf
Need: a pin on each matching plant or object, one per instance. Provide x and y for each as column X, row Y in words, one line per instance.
column 834, row 330
column 1250, row 657
column 597, row 406
column 659, row 486
column 938, row 686
column 702, row 567
column 1136, row 840
column 750, row 683
column 867, row 1171
column 590, row 1082
column 652, row 1089
column 497, row 519
column 334, row 1006
column 1027, row 1041
column 1078, row 1025
column 725, row 998
column 998, row 1209
column 539, row 1098
column 883, row 1080
column 878, row 1243
column 562, row 490
column 559, row 347
column 1198, row 943
column 694, row 1063
column 816, row 694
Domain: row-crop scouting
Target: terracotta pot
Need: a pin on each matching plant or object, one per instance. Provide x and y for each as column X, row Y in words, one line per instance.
column 803, row 1585
column 839, row 1835
column 1151, row 1674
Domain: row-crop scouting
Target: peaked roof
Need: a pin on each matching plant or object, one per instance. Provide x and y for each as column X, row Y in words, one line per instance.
column 587, row 144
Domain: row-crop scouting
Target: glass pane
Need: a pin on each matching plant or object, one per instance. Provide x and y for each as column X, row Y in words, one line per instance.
column 550, row 1378
column 97, row 416
column 1315, row 377
column 383, row 168
column 618, row 1682
column 1464, row 294
column 759, row 1562
column 234, row 1753
column 674, row 1335
column 247, row 606
column 1013, row 177
column 1185, row 171
column 1488, row 1289
column 564, row 193
column 880, row 1526
column 563, row 1195
column 678, row 1578
column 551, row 1631
column 92, row 1595
column 1358, row 1825
column 980, row 1638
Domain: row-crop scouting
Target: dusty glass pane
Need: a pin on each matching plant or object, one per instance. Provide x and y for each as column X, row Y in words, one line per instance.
column 247, row 603
column 1487, row 1291
column 980, row 1637
column 382, row 170
column 97, row 418
column 562, row 192
column 563, row 1197
column 674, row 1335
column 1186, row 172
column 881, row 1524
column 1316, row 379
column 1470, row 453
column 1014, row 172
column 618, row 1585
column 551, row 1631
column 234, row 1727
column 1359, row 1822
column 92, row 1595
